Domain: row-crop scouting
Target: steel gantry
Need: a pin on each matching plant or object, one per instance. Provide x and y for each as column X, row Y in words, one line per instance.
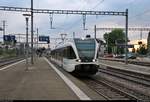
column 130, row 29
column 84, row 13
column 142, row 29
column 20, row 9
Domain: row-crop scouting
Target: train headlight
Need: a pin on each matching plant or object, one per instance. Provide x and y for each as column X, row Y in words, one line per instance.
column 78, row 60
column 94, row 60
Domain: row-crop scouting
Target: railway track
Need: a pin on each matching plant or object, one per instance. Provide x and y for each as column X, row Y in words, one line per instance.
column 130, row 82
column 138, row 78
column 107, row 90
column 112, row 90
column 130, row 62
column 5, row 62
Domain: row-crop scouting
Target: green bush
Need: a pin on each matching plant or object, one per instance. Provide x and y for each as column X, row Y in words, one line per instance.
column 142, row 50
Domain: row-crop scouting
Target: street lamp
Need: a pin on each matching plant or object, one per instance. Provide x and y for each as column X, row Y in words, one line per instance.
column 3, row 29
column 27, row 44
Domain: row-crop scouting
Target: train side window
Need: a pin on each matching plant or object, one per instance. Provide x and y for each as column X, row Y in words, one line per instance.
column 65, row 52
column 70, row 53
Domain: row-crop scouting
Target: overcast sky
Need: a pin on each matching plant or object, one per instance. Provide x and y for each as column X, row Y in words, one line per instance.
column 139, row 16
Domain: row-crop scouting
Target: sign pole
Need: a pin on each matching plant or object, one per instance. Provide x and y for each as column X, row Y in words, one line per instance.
column 126, row 38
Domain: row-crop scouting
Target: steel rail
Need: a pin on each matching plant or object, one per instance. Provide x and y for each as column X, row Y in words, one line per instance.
column 124, row 95
column 131, row 77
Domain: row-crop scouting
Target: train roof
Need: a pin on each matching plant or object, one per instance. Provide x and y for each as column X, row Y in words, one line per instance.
column 64, row 43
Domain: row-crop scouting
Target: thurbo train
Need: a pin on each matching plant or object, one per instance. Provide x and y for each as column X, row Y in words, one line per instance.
column 78, row 56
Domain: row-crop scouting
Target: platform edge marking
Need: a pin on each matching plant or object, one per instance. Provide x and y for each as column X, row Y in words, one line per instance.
column 73, row 87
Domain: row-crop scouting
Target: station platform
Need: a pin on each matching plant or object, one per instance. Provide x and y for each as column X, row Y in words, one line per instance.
column 121, row 65
column 41, row 82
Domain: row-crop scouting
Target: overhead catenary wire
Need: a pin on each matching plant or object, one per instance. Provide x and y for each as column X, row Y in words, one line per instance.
column 66, row 17
column 139, row 14
column 98, row 4
column 134, row 17
column 62, row 25
column 78, row 21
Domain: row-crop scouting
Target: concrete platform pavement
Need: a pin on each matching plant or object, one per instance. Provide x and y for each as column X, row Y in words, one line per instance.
column 122, row 65
column 40, row 82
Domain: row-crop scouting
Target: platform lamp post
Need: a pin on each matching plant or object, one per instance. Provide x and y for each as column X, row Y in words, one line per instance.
column 4, row 25
column 126, row 38
column 37, row 30
column 27, row 44
column 1, row 29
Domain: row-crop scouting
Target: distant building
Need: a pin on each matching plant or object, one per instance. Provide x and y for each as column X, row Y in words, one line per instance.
column 136, row 44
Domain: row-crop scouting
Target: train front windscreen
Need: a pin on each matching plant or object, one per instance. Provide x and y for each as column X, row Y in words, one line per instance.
column 86, row 49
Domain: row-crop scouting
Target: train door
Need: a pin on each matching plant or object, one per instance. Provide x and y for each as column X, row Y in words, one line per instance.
column 64, row 57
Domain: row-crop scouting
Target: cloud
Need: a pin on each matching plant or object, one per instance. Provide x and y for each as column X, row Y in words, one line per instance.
column 71, row 23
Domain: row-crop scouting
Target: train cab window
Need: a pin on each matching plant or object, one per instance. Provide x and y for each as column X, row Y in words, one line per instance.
column 86, row 48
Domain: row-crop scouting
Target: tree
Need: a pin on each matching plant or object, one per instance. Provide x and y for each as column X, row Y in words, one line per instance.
column 142, row 50
column 112, row 38
column 106, row 38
